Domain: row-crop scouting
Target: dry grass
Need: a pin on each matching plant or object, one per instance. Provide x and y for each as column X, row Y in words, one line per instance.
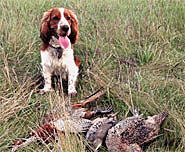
column 134, row 49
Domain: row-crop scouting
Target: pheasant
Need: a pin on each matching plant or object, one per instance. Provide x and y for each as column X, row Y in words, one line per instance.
column 132, row 132
column 76, row 120
column 98, row 130
column 79, row 120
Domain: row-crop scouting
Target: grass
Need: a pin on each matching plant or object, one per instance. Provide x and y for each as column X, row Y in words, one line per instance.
column 134, row 49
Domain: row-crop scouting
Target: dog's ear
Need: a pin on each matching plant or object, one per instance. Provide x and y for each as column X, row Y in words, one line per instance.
column 45, row 33
column 74, row 28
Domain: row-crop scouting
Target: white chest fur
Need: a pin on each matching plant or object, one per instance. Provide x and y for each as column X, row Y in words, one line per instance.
column 51, row 63
column 51, row 60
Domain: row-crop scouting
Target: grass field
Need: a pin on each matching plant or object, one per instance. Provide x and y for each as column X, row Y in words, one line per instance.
column 135, row 49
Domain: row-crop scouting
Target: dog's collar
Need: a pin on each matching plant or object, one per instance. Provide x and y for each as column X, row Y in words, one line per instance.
column 58, row 51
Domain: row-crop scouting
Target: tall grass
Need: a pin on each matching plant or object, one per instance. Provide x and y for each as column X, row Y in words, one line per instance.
column 134, row 49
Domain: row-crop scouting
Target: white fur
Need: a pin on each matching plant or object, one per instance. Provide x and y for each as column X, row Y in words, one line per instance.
column 51, row 63
column 63, row 21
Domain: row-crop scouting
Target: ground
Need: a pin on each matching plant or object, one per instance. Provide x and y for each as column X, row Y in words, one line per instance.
column 135, row 49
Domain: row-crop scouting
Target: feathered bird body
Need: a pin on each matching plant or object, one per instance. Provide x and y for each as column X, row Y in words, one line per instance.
column 98, row 131
column 133, row 130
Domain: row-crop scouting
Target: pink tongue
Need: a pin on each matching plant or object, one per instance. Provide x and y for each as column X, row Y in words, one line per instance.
column 64, row 42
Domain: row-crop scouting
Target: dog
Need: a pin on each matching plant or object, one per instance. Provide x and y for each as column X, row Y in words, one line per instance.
column 58, row 32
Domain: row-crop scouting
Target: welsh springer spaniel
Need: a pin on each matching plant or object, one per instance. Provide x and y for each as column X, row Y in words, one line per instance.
column 59, row 30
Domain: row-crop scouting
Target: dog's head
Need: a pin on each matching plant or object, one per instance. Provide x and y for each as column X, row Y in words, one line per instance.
column 59, row 22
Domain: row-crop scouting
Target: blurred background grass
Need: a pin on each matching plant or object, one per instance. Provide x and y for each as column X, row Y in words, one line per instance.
column 134, row 49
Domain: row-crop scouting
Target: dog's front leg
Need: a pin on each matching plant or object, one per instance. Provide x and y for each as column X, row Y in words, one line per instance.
column 46, row 70
column 72, row 79
column 47, row 79
column 72, row 70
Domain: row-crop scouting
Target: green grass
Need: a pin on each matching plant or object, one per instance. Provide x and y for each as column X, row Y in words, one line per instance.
column 149, row 36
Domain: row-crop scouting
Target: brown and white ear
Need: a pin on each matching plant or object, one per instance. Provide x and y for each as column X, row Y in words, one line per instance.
column 45, row 33
column 74, row 28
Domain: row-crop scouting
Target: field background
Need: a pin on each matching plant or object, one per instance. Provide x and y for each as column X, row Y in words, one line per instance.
column 135, row 49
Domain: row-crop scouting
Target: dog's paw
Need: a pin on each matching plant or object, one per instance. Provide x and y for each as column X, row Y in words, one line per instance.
column 72, row 94
column 46, row 89
column 72, row 91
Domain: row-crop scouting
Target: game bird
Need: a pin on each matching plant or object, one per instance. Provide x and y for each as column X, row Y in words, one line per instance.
column 79, row 121
column 98, row 130
column 129, row 134
column 76, row 120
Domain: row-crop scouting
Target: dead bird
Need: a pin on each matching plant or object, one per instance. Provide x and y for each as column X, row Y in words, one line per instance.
column 76, row 120
column 48, row 132
column 133, row 130
column 98, row 130
column 78, row 116
column 78, row 110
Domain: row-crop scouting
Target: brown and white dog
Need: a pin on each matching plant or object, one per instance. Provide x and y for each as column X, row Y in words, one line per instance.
column 59, row 30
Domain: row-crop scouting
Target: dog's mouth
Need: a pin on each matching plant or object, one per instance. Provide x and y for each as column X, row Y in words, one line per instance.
column 64, row 41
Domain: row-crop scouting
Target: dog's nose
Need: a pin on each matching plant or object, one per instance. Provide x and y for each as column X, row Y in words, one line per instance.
column 65, row 28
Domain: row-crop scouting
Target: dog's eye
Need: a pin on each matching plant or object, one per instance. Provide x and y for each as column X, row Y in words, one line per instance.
column 68, row 17
column 55, row 18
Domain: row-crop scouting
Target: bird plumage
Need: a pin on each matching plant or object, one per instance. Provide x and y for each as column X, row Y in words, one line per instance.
column 98, row 131
column 133, row 130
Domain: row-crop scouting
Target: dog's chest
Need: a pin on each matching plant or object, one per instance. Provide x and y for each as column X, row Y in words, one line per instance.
column 56, row 53
column 56, row 57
